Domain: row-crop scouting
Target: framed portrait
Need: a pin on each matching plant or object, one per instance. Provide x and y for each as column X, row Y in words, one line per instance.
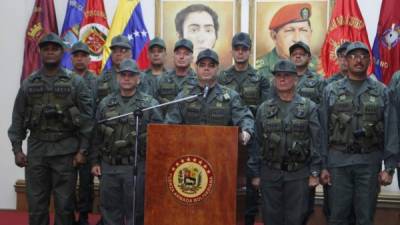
column 276, row 24
column 208, row 24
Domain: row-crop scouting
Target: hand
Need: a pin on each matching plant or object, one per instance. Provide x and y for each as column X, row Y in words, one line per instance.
column 96, row 170
column 244, row 137
column 325, row 177
column 79, row 159
column 385, row 178
column 313, row 181
column 256, row 182
column 20, row 159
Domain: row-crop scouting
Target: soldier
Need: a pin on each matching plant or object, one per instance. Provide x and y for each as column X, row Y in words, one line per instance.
column 56, row 107
column 361, row 131
column 171, row 83
column 395, row 90
column 310, row 84
column 289, row 25
column 157, row 54
column 112, row 157
column 80, row 60
column 221, row 105
column 287, row 130
column 341, row 60
column 253, row 90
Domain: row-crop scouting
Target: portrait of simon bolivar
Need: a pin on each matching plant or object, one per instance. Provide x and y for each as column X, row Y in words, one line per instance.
column 208, row 24
column 280, row 24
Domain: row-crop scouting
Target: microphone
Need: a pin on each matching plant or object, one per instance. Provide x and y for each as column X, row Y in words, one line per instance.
column 205, row 92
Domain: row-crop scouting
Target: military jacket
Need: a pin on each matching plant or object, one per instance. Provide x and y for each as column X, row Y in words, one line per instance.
column 361, row 127
column 252, row 88
column 91, row 82
column 151, row 80
column 311, row 85
column 334, row 78
column 107, row 83
column 53, row 109
column 222, row 106
column 114, row 140
column 290, row 140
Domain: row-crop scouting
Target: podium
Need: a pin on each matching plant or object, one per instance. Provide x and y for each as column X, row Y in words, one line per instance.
column 191, row 175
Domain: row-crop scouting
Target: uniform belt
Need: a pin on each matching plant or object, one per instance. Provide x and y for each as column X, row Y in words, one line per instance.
column 50, row 136
column 118, row 160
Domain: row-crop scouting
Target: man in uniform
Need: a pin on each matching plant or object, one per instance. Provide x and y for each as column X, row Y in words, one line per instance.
column 395, row 89
column 80, row 58
column 361, row 130
column 287, row 127
column 112, row 157
column 56, row 107
column 253, row 90
column 341, row 60
column 289, row 25
column 221, row 105
column 171, row 83
column 157, row 54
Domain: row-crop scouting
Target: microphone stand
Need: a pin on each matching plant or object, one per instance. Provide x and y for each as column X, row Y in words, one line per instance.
column 138, row 113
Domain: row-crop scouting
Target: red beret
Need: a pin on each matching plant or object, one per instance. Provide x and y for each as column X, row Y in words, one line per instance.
column 289, row 14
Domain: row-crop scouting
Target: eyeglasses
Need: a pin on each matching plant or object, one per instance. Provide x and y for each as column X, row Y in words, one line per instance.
column 358, row 56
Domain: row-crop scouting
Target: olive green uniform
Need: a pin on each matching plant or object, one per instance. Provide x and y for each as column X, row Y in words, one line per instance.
column 113, row 149
column 335, row 77
column 361, row 130
column 311, row 85
column 151, row 80
column 289, row 140
column 395, row 90
column 57, row 111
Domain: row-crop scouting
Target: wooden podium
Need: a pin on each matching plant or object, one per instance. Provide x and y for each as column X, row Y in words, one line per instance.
column 191, row 174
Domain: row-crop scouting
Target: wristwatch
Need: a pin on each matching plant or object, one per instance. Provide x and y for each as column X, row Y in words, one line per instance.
column 315, row 173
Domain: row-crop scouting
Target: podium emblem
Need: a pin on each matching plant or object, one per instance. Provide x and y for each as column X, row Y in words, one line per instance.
column 190, row 179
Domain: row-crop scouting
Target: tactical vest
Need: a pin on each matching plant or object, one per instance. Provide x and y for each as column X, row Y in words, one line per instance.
column 104, row 87
column 357, row 129
column 310, row 89
column 216, row 112
column 286, row 142
column 119, row 135
column 51, row 113
column 169, row 88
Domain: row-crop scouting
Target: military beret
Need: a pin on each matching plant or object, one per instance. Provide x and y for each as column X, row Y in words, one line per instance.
column 157, row 42
column 290, row 13
column 129, row 65
column 356, row 45
column 184, row 43
column 343, row 47
column 120, row 41
column 80, row 47
column 241, row 38
column 285, row 66
column 300, row 44
column 51, row 38
column 207, row 54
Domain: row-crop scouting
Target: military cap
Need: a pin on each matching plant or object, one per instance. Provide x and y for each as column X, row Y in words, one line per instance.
column 207, row 54
column 285, row 66
column 241, row 38
column 300, row 44
column 343, row 47
column 120, row 41
column 290, row 13
column 129, row 65
column 184, row 43
column 80, row 47
column 356, row 45
column 51, row 38
column 157, row 42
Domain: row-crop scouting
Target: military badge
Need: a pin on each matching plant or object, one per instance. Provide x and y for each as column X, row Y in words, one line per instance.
column 305, row 13
column 391, row 36
column 190, row 179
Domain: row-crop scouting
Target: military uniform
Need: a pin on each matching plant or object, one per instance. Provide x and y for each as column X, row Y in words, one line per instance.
column 113, row 146
column 151, row 80
column 57, row 111
column 311, row 85
column 361, row 129
column 395, row 90
column 335, row 77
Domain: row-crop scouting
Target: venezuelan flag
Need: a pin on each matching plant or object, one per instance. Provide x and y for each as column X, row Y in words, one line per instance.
column 128, row 20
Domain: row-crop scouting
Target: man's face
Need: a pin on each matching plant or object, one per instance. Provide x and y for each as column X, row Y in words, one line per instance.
column 341, row 59
column 284, row 81
column 157, row 55
column 358, row 62
column 128, row 81
column 240, row 54
column 51, row 53
column 300, row 57
column 207, row 70
column 118, row 54
column 182, row 57
column 80, row 60
column 199, row 28
column 290, row 34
